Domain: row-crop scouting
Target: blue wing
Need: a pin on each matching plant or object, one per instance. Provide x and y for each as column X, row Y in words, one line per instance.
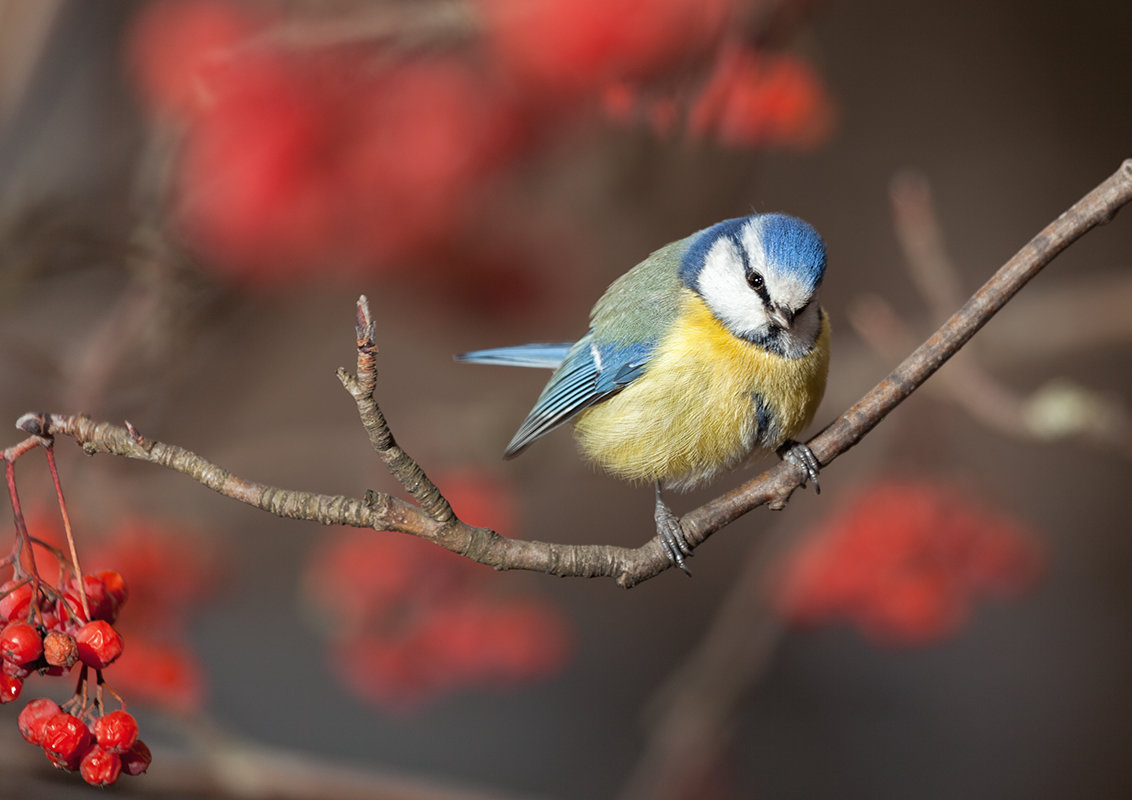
column 590, row 373
column 549, row 356
column 587, row 374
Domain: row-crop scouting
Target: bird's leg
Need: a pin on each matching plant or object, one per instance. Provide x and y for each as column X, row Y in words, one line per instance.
column 670, row 534
column 802, row 457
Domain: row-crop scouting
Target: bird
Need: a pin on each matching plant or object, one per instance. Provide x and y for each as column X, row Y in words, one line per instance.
column 711, row 352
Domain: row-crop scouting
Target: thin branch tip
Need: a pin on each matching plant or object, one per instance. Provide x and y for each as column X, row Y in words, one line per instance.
column 363, row 322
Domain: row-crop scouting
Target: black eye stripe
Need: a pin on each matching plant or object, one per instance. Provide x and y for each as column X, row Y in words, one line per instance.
column 754, row 279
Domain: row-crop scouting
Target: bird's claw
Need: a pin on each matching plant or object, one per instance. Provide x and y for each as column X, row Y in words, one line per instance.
column 802, row 457
column 671, row 535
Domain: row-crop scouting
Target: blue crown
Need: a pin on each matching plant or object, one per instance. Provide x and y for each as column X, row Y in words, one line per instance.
column 789, row 245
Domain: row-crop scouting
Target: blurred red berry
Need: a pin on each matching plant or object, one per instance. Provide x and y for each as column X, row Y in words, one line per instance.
column 361, row 578
column 357, row 578
column 757, row 99
column 479, row 498
column 493, row 642
column 10, row 688
column 914, row 607
column 137, row 760
column 171, row 572
column 572, row 46
column 33, row 716
column 474, row 642
column 20, row 643
column 412, row 621
column 527, row 640
column 904, row 562
column 426, row 133
column 256, row 193
column 65, row 739
column 100, row 767
column 116, row 732
column 160, row 673
column 177, row 48
column 115, row 586
column 99, row 645
column 382, row 672
column 170, row 569
column 309, row 165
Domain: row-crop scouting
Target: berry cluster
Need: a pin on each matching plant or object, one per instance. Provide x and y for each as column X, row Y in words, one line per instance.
column 54, row 618
column 904, row 562
column 49, row 630
column 101, row 749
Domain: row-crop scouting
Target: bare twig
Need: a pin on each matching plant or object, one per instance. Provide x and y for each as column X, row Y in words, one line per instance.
column 433, row 520
column 362, row 387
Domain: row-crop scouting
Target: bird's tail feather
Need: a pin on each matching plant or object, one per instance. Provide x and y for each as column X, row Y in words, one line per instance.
column 547, row 356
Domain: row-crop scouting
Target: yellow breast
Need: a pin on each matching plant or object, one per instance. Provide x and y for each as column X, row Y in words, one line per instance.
column 694, row 413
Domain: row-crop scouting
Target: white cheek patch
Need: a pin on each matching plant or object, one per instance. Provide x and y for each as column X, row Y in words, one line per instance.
column 723, row 285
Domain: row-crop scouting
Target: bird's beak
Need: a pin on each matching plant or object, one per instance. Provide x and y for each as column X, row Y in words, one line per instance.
column 782, row 316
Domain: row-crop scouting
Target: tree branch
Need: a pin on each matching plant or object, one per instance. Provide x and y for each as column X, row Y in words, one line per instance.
column 434, row 520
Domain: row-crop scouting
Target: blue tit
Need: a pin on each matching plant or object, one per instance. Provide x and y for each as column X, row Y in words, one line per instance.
column 711, row 351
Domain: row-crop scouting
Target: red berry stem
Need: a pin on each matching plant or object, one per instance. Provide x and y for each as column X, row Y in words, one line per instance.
column 18, row 513
column 23, row 538
column 50, row 450
column 77, row 703
column 103, row 685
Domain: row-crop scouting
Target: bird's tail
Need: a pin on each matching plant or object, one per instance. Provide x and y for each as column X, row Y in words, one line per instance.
column 547, row 356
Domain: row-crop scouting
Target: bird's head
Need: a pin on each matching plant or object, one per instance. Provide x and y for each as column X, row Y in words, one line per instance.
column 760, row 276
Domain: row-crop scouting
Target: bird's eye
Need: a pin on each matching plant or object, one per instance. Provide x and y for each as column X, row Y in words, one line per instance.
column 755, row 281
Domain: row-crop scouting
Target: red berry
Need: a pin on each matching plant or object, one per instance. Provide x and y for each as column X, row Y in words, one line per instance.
column 116, row 732
column 71, row 610
column 34, row 715
column 100, row 767
column 15, row 599
column 60, row 649
column 99, row 644
column 115, row 586
column 101, row 604
column 137, row 760
column 10, row 688
column 20, row 643
column 65, row 739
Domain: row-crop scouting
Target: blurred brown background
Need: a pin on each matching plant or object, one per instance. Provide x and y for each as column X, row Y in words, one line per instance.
column 1011, row 111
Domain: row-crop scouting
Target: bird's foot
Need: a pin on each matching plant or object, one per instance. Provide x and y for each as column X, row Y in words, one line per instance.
column 670, row 534
column 804, row 459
